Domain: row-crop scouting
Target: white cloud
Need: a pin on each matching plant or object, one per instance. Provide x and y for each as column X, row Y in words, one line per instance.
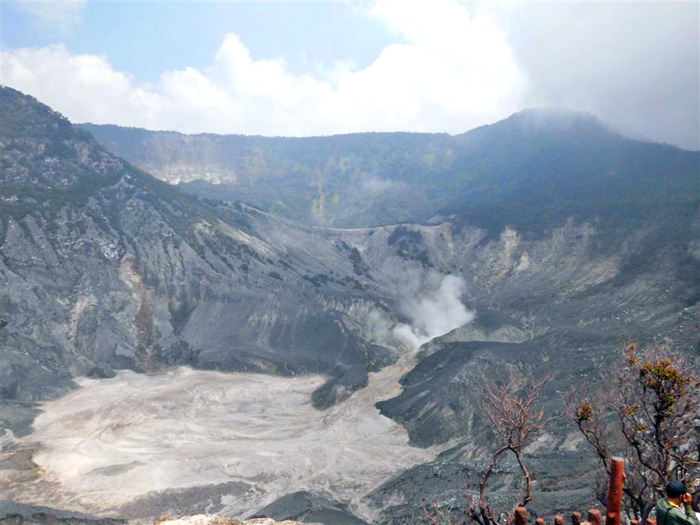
column 636, row 64
column 83, row 87
column 454, row 71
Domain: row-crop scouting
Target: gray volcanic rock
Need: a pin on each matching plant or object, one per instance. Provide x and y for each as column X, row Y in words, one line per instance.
column 183, row 502
column 564, row 306
column 307, row 507
column 440, row 399
column 564, row 240
column 17, row 416
column 562, row 484
column 531, row 171
column 428, row 488
column 105, row 267
column 440, row 403
column 12, row 513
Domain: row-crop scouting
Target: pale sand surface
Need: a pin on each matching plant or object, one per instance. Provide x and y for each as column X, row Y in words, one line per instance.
column 115, row 440
column 214, row 520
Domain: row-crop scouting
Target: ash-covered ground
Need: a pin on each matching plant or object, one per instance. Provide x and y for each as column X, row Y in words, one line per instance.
column 137, row 445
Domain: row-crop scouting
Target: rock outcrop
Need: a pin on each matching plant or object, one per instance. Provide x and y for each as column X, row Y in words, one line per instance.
column 103, row 267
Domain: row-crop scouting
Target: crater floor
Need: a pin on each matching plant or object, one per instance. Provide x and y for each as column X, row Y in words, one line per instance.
column 104, row 447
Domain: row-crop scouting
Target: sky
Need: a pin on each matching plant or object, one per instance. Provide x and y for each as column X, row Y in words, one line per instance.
column 320, row 68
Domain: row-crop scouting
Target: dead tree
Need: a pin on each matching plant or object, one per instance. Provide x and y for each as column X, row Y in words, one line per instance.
column 648, row 412
column 517, row 421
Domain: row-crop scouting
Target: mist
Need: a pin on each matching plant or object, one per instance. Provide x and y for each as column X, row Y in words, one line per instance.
column 635, row 65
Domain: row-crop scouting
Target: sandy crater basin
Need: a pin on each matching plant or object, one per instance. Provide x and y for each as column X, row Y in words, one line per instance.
column 116, row 440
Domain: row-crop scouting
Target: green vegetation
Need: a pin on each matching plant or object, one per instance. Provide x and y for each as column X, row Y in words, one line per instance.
column 532, row 177
column 52, row 170
column 649, row 414
column 408, row 244
column 321, row 279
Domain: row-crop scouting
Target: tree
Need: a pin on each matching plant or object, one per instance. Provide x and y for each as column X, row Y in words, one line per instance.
column 517, row 422
column 650, row 415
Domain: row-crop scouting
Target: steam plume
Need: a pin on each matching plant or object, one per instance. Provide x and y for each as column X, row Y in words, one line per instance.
column 433, row 306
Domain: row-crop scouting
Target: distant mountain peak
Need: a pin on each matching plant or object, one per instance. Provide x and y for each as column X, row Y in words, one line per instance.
column 548, row 122
column 551, row 118
column 24, row 116
column 554, row 113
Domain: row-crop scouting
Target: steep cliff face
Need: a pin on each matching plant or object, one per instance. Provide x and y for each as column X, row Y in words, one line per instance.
column 556, row 304
column 531, row 171
column 105, row 267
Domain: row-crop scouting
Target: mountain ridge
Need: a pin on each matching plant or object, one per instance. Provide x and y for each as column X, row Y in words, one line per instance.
column 115, row 231
column 544, row 114
column 132, row 273
column 561, row 164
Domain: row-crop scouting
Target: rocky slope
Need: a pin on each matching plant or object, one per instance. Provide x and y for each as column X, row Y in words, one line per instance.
column 531, row 171
column 103, row 267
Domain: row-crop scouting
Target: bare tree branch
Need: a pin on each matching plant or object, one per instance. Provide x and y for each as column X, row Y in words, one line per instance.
column 652, row 417
column 517, row 422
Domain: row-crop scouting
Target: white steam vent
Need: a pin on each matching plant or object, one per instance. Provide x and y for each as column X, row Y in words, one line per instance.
column 432, row 304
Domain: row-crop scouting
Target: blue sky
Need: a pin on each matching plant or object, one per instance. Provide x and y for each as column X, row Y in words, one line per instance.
column 146, row 38
column 316, row 68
